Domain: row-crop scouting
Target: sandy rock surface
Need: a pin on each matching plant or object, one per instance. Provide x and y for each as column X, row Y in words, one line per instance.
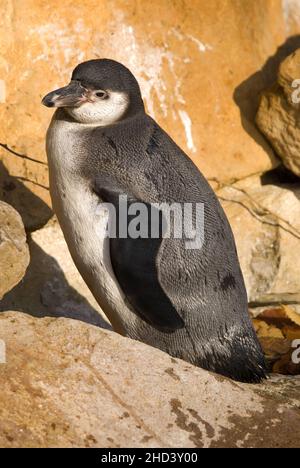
column 69, row 384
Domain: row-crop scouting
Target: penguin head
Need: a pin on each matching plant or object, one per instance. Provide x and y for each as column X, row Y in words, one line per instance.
column 101, row 92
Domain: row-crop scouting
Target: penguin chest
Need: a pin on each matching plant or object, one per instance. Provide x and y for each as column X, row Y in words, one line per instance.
column 84, row 220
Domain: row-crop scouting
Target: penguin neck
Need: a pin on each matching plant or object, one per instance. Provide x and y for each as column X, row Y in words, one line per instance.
column 132, row 114
column 136, row 106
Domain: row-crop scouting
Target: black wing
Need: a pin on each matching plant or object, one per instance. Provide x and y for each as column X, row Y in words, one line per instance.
column 134, row 262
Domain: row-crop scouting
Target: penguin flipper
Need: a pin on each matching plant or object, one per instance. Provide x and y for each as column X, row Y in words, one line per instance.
column 134, row 264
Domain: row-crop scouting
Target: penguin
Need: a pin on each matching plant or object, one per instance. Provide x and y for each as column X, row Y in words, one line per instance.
column 191, row 303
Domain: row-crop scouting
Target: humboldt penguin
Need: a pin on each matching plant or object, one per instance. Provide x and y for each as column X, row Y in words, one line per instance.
column 187, row 300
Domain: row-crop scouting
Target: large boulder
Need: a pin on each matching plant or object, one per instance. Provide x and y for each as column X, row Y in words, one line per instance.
column 14, row 253
column 278, row 114
column 199, row 72
column 68, row 384
column 265, row 218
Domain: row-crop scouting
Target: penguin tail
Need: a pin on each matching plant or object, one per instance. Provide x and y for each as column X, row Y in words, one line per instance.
column 238, row 356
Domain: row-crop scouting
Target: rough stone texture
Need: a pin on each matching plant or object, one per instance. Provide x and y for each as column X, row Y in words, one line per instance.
column 33, row 210
column 52, row 285
column 265, row 218
column 14, row 253
column 67, row 384
column 196, row 61
column 289, row 70
column 278, row 114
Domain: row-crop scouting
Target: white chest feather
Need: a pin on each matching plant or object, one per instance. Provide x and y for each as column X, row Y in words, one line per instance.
column 83, row 221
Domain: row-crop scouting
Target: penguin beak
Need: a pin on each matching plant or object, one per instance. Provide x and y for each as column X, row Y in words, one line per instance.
column 72, row 95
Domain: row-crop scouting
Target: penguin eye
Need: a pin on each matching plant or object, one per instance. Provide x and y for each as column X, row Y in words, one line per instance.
column 101, row 94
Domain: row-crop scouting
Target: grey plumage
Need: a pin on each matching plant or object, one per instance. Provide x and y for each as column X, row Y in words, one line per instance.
column 190, row 303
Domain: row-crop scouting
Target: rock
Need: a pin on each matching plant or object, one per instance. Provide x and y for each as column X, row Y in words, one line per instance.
column 288, row 72
column 200, row 74
column 265, row 218
column 278, row 114
column 33, row 211
column 14, row 253
column 68, row 384
column 52, row 284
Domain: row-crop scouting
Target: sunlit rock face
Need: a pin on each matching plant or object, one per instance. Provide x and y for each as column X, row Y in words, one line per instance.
column 264, row 216
column 197, row 62
column 68, row 384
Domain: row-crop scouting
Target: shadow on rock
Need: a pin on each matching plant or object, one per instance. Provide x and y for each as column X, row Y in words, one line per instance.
column 247, row 94
column 281, row 177
column 45, row 291
column 34, row 211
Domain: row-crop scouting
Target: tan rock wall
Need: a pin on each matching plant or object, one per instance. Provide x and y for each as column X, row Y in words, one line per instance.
column 265, row 220
column 193, row 60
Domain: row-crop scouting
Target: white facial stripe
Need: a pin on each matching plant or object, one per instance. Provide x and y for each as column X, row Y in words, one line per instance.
column 101, row 112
